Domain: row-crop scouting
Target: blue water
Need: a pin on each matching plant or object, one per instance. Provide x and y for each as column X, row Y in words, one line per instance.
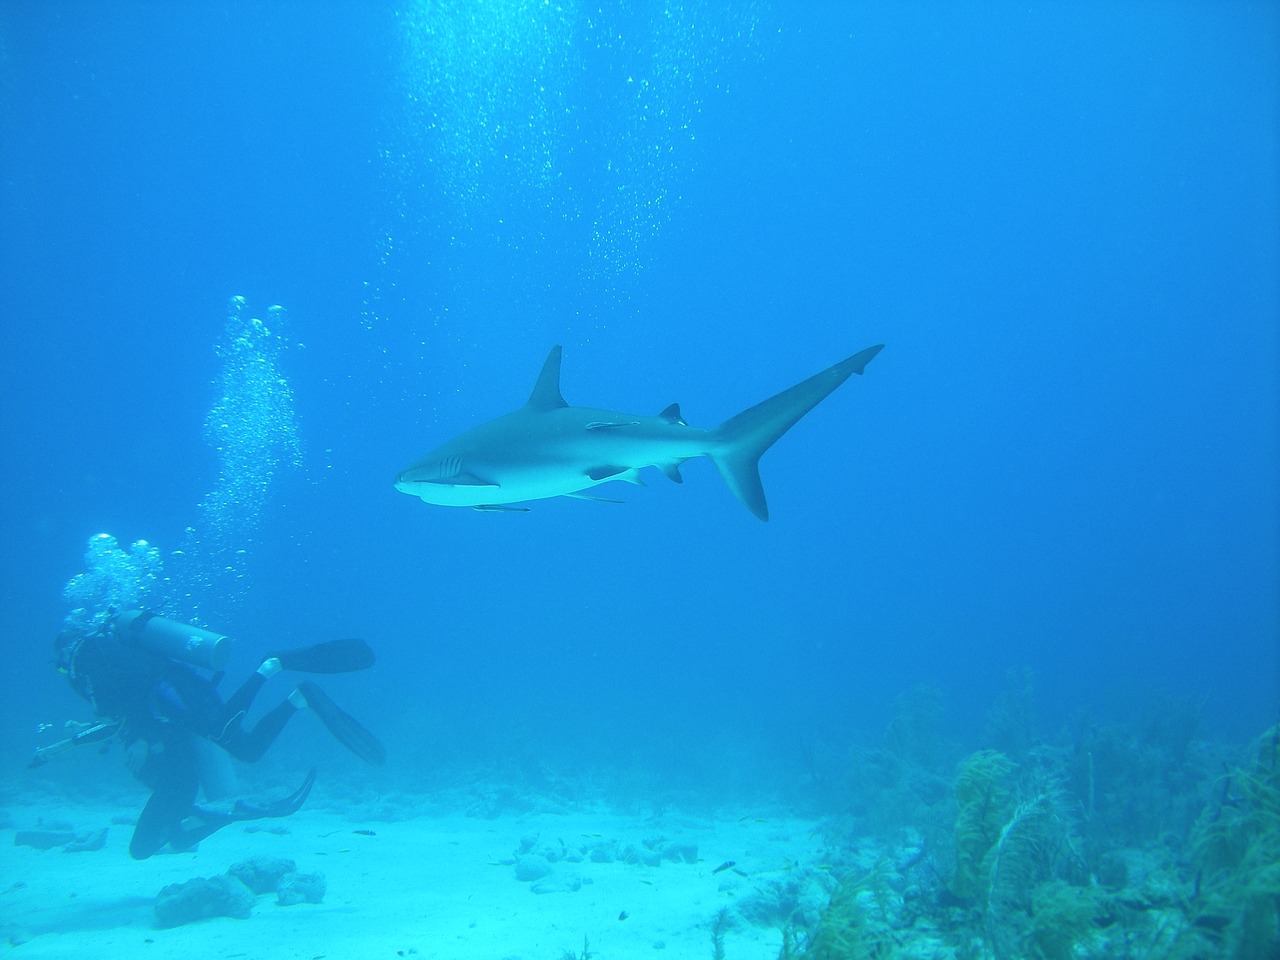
column 1061, row 219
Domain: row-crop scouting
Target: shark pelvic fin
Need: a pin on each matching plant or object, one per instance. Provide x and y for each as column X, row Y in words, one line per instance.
column 612, row 472
column 740, row 441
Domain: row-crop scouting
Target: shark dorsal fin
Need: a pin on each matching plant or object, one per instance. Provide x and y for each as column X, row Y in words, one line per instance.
column 546, row 392
column 672, row 415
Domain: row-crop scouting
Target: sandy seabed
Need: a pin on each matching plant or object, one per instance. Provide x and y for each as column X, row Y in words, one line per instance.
column 429, row 886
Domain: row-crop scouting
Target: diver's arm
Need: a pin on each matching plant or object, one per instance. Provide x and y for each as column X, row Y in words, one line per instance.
column 99, row 732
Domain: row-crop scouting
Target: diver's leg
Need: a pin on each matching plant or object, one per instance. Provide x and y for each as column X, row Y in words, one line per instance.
column 217, row 773
column 175, row 782
column 238, row 703
column 231, row 736
column 250, row 745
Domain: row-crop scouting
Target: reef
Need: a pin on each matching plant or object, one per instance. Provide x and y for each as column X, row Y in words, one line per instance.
column 234, row 893
column 202, row 899
column 1123, row 842
column 262, row 874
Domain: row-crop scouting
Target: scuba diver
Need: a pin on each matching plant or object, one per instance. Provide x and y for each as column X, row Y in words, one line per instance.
column 138, row 671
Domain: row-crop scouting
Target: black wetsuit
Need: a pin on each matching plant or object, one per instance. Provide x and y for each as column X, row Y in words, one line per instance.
column 171, row 707
column 183, row 707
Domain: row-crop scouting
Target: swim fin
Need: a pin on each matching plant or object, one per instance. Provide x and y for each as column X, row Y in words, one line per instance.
column 331, row 656
column 276, row 808
column 346, row 728
column 206, row 821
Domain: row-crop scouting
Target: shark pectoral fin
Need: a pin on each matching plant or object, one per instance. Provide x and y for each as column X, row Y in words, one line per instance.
column 671, row 471
column 611, row 472
column 499, row 508
column 587, row 496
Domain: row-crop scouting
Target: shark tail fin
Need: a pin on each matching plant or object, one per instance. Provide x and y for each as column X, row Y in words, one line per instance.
column 741, row 441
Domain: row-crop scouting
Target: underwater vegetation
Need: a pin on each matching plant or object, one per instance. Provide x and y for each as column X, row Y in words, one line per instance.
column 985, row 797
column 1114, row 841
column 858, row 924
column 1235, row 907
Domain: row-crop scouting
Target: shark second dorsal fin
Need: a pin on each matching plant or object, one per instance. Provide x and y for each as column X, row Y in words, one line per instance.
column 546, row 392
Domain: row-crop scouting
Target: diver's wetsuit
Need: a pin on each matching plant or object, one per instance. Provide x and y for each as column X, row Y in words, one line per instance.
column 171, row 708
column 183, row 707
column 186, row 698
column 174, row 709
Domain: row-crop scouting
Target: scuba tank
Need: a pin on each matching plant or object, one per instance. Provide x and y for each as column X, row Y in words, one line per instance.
column 168, row 638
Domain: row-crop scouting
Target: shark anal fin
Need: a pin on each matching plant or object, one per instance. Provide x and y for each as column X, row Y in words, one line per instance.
column 671, row 471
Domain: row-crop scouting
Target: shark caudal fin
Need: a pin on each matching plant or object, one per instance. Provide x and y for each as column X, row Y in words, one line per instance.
column 740, row 441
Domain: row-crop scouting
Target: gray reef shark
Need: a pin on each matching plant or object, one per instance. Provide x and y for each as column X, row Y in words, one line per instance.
column 550, row 449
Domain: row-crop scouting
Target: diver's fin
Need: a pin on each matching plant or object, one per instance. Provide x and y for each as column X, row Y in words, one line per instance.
column 276, row 808
column 346, row 728
column 331, row 656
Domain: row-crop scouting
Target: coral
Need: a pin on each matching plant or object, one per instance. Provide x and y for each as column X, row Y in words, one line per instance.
column 791, row 896
column 858, row 923
column 1062, row 917
column 1011, row 722
column 722, row 923
column 1236, row 912
column 300, row 888
column 202, row 898
column 914, row 735
column 261, row 874
column 984, row 791
column 1032, row 909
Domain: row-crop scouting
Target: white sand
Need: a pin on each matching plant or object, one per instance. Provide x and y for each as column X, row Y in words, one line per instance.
column 425, row 886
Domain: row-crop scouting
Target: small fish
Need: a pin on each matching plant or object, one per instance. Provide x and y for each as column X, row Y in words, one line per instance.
column 364, row 833
column 741, row 873
column 727, row 865
column 623, row 915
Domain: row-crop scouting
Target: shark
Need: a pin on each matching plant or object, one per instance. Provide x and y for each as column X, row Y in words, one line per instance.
column 548, row 448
